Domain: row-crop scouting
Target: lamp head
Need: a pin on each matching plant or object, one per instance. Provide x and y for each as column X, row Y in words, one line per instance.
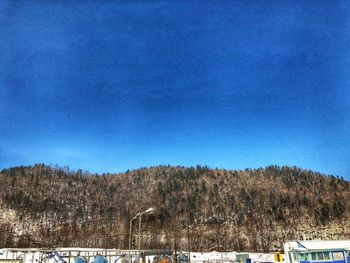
column 149, row 210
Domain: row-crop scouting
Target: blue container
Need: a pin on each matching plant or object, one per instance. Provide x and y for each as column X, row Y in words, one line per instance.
column 99, row 259
column 80, row 260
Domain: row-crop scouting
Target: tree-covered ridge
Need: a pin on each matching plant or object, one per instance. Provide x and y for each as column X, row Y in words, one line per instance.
column 255, row 209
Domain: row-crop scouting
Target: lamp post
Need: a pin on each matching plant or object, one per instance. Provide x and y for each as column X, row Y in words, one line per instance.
column 130, row 229
column 139, row 215
column 148, row 211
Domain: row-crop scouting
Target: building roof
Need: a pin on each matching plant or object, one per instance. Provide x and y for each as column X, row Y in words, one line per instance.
column 319, row 245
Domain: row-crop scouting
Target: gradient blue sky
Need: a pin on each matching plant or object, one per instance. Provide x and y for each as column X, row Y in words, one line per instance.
column 108, row 86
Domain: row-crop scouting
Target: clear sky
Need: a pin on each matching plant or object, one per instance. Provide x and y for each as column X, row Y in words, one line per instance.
column 108, row 86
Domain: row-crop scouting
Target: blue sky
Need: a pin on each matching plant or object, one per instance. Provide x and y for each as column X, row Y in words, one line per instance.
column 108, row 86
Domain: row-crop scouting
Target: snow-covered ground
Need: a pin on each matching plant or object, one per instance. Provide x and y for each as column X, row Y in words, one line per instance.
column 115, row 256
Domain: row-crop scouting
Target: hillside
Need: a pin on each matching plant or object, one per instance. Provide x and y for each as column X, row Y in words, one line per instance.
column 254, row 210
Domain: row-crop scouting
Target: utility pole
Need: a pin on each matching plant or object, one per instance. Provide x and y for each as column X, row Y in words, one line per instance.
column 188, row 241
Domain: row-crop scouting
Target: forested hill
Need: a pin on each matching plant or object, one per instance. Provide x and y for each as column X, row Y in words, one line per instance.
column 197, row 208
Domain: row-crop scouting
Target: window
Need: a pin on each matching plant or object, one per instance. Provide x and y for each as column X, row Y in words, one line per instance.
column 320, row 256
column 304, row 257
column 338, row 256
column 326, row 256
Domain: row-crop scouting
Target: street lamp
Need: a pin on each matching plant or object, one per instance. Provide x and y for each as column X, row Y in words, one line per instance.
column 148, row 211
column 130, row 236
column 139, row 215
